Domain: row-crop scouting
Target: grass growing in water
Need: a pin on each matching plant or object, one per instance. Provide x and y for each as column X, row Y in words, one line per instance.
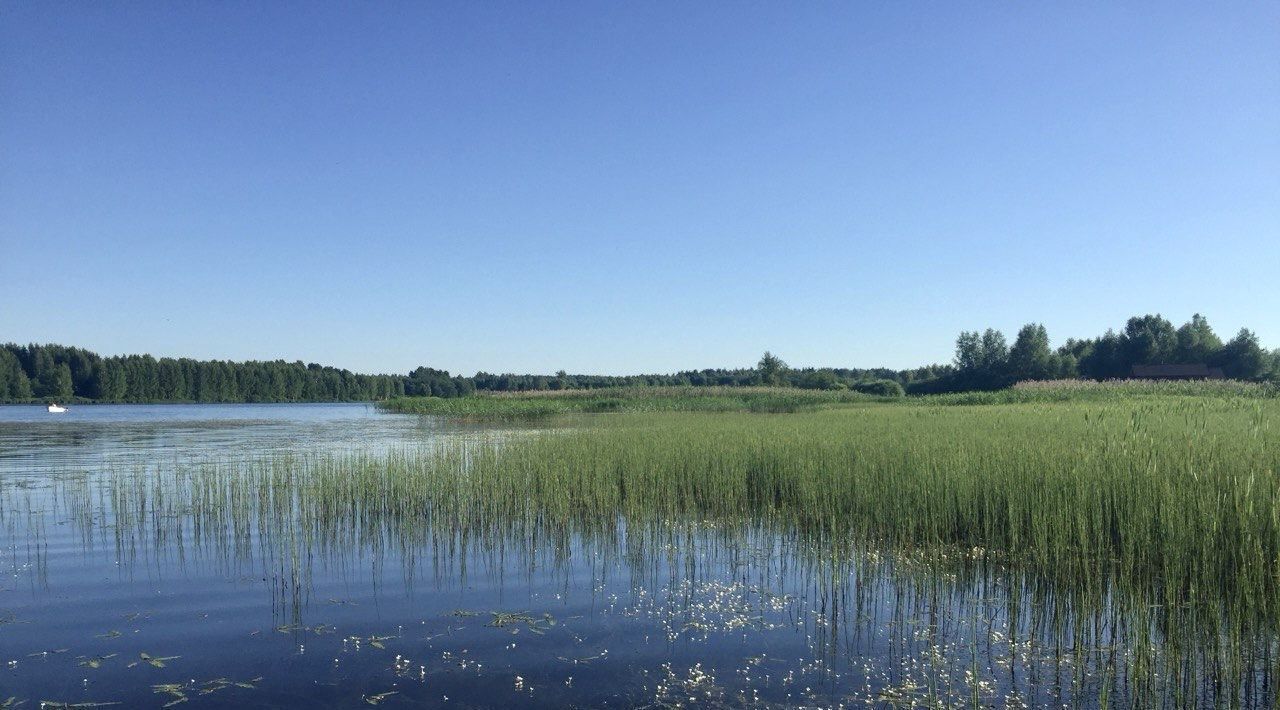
column 1185, row 490
column 1154, row 518
column 527, row 405
column 780, row 400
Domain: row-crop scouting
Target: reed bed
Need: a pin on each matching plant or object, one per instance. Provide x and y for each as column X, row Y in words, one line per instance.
column 1152, row 521
column 1110, row 391
column 1186, row 491
column 526, row 405
column 510, row 406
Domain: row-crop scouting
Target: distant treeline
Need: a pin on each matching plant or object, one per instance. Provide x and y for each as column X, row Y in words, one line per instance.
column 56, row 372
column 983, row 361
column 426, row 381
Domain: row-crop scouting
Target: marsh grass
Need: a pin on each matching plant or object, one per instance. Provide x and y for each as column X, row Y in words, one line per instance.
column 1185, row 491
column 530, row 405
column 512, row 406
column 1115, row 391
column 1149, row 526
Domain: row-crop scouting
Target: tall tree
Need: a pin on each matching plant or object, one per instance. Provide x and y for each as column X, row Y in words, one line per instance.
column 1030, row 357
column 969, row 351
column 1068, row 366
column 1197, row 343
column 1148, row 340
column 55, row 381
column 982, row 360
column 1243, row 358
column 108, row 380
column 771, row 369
column 1105, row 360
column 995, row 350
column 14, row 384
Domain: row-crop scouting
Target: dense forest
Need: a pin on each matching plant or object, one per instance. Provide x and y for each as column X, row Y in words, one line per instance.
column 55, row 372
column 983, row 361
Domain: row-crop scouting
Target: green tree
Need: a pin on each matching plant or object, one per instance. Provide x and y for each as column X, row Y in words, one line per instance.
column 1197, row 343
column 55, row 381
column 1243, row 358
column 561, row 382
column 1068, row 366
column 982, row 360
column 108, row 381
column 995, row 351
column 1104, row 360
column 969, row 351
column 1030, row 357
column 1148, row 340
column 771, row 369
column 81, row 363
column 14, row 384
column 430, row 382
column 824, row 379
column 41, row 371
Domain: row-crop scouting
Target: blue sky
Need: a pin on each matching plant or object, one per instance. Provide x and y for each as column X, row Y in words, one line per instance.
column 630, row 187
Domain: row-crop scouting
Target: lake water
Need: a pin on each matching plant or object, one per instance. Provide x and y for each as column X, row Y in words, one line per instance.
column 34, row 442
column 110, row 595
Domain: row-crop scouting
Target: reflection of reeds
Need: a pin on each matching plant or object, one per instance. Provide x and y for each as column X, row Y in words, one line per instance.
column 1146, row 533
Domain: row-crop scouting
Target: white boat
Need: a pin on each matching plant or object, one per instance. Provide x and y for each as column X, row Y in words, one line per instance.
column 54, row 408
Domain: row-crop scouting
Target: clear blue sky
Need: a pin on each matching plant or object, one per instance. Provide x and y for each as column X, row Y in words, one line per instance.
column 630, row 187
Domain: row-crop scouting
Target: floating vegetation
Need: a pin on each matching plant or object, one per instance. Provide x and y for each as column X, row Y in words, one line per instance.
column 181, row 692
column 584, row 660
column 537, row 625
column 377, row 699
column 211, row 686
column 153, row 661
column 94, row 661
column 318, row 629
column 175, row 690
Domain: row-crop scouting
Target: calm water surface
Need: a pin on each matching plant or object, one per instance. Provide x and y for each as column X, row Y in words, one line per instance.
column 34, row 442
column 114, row 598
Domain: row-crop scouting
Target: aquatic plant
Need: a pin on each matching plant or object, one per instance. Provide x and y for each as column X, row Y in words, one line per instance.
column 1143, row 531
column 508, row 406
column 540, row 404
